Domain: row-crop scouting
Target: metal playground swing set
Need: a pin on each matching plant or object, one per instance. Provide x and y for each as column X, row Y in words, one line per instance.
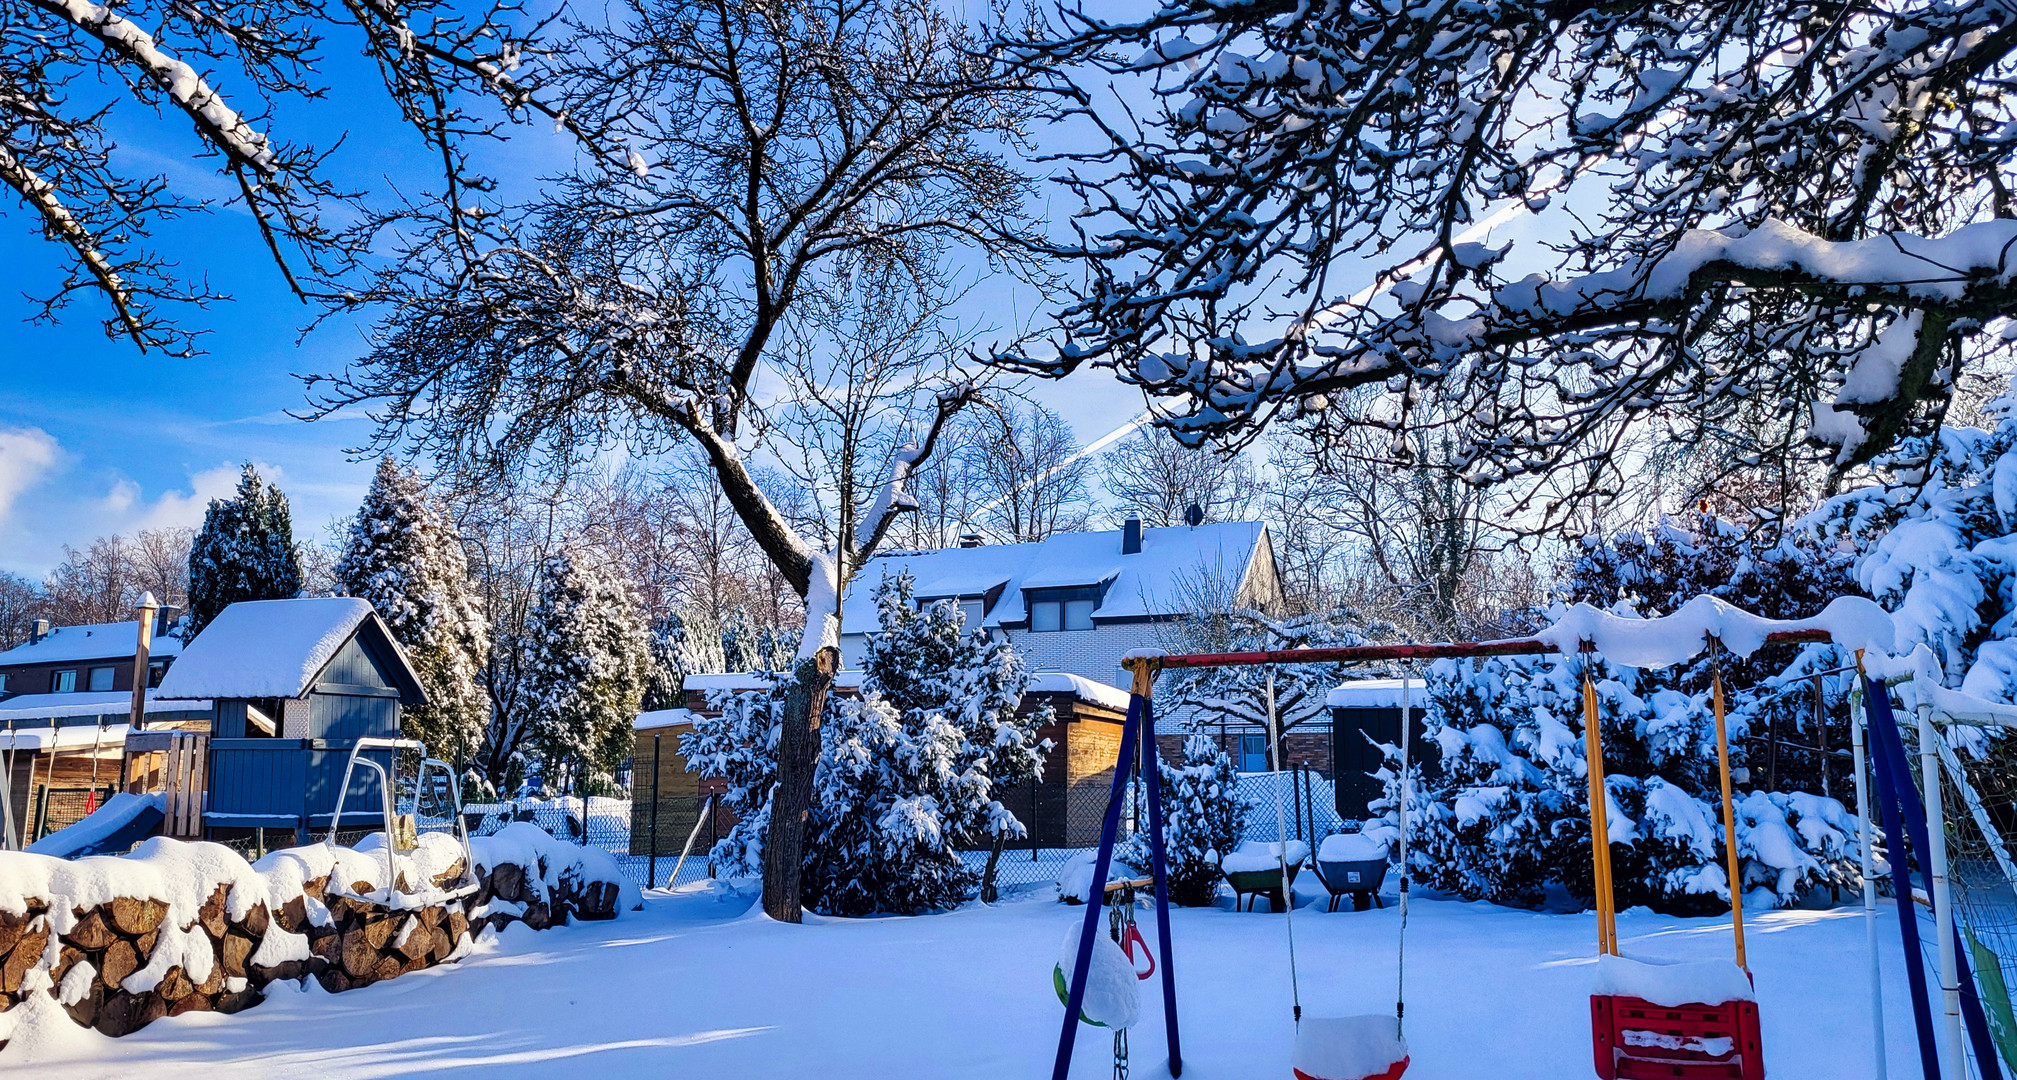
column 1632, row 1036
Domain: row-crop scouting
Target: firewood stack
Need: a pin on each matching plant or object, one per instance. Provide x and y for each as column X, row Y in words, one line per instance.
column 103, row 968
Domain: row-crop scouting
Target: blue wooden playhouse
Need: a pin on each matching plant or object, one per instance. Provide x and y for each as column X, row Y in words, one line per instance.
column 295, row 684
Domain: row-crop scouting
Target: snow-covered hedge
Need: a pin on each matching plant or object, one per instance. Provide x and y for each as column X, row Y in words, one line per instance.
column 117, row 942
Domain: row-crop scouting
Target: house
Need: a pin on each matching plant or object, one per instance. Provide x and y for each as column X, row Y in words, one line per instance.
column 94, row 658
column 294, row 684
column 1079, row 602
column 1066, row 803
column 66, row 699
column 1366, row 714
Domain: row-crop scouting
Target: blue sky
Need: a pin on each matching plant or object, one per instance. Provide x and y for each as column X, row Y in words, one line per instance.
column 98, row 438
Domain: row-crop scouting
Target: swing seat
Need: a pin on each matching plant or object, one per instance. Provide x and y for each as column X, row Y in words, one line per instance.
column 1112, row 999
column 1695, row 1021
column 1349, row 1048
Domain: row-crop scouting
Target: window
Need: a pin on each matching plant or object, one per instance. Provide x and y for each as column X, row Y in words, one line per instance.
column 101, row 678
column 3, row 682
column 1068, row 609
column 1253, row 753
column 154, row 672
column 62, row 682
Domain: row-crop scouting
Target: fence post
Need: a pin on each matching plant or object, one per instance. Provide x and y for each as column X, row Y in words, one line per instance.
column 652, row 874
column 712, row 805
column 1034, row 780
column 1294, row 778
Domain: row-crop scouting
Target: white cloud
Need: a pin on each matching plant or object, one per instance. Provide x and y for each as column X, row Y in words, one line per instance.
column 26, row 455
column 176, row 508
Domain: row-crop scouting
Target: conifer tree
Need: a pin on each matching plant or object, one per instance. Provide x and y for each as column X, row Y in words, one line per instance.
column 404, row 556
column 1203, row 820
column 245, row 551
column 588, row 659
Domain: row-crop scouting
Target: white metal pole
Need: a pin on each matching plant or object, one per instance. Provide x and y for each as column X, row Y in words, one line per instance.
column 1401, row 940
column 1859, row 721
column 1943, row 893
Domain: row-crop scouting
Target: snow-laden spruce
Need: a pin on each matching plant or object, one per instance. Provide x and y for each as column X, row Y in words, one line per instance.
column 588, row 660
column 910, row 772
column 245, row 551
column 403, row 555
column 1203, row 820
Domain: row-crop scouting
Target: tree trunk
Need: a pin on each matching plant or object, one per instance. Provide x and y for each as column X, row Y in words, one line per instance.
column 791, row 802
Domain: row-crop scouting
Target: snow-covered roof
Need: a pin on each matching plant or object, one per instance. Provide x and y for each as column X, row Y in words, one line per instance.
column 99, row 703
column 662, row 718
column 1041, row 682
column 271, row 648
column 1376, row 694
column 67, row 737
column 91, row 641
column 1149, row 583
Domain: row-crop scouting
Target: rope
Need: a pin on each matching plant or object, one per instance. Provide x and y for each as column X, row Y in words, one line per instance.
column 1282, row 848
column 1407, row 792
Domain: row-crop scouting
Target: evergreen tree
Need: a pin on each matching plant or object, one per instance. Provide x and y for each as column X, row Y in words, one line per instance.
column 685, row 642
column 403, row 556
column 908, row 772
column 588, row 659
column 245, row 551
column 1203, row 820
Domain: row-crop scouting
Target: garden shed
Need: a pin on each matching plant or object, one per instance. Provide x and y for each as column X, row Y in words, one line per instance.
column 1366, row 714
column 295, row 684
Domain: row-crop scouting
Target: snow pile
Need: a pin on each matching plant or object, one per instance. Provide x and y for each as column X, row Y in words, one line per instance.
column 1696, row 982
column 1255, row 855
column 1351, row 847
column 1113, row 997
column 1348, row 1048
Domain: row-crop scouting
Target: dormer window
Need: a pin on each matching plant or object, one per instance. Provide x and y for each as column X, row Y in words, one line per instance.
column 1063, row 609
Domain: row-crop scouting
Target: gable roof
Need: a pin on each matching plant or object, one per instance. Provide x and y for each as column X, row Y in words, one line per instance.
column 90, row 703
column 278, row 649
column 1150, row 583
column 90, row 641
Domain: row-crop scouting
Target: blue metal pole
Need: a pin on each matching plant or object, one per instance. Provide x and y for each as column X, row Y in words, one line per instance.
column 1883, row 738
column 1152, row 769
column 1097, row 893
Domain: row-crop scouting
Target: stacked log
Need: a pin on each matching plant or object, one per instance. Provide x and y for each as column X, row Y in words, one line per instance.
column 100, row 968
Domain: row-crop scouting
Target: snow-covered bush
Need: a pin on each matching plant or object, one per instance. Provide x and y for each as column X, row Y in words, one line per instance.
column 908, row 771
column 403, row 555
column 1204, row 818
column 1504, row 810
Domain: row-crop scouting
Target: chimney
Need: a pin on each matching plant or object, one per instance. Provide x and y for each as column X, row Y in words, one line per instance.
column 969, row 540
column 1131, row 536
column 40, row 631
column 165, row 618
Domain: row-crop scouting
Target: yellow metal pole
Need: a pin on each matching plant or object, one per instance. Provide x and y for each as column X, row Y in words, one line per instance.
column 1729, row 816
column 1600, row 826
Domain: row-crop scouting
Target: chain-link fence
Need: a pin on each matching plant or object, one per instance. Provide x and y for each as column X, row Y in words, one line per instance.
column 61, row 807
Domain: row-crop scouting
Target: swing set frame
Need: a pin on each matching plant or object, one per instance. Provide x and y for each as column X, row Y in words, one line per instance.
column 1138, row 747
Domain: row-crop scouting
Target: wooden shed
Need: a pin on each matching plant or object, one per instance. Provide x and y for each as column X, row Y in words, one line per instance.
column 1365, row 714
column 295, row 683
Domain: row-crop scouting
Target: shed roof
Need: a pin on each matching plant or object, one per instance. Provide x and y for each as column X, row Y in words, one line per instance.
column 278, row 648
column 90, row 641
column 1377, row 694
column 1147, row 584
column 662, row 718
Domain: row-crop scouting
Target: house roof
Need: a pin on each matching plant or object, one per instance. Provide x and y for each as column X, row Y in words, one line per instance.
column 278, row 648
column 91, row 641
column 68, row 737
column 662, row 718
column 100, row 703
column 1153, row 582
column 1377, row 694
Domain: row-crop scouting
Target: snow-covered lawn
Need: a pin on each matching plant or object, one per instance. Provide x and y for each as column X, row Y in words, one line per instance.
column 693, row 986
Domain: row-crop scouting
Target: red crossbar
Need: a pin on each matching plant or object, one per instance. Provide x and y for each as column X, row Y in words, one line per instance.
column 1372, row 654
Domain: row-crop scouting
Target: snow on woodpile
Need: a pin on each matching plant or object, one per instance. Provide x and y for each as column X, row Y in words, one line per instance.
column 264, row 648
column 117, row 942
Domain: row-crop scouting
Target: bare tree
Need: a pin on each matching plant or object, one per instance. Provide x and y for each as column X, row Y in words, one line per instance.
column 71, row 72
column 1025, row 471
column 1760, row 210
column 103, row 581
column 21, row 603
column 766, row 172
column 1159, row 478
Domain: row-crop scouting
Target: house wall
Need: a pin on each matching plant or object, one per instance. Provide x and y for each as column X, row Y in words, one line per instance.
column 38, row 678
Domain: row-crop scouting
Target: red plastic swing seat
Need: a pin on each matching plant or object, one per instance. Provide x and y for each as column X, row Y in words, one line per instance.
column 1635, row 1039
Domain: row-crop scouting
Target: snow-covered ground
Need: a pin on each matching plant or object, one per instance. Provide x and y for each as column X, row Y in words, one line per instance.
column 699, row 985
